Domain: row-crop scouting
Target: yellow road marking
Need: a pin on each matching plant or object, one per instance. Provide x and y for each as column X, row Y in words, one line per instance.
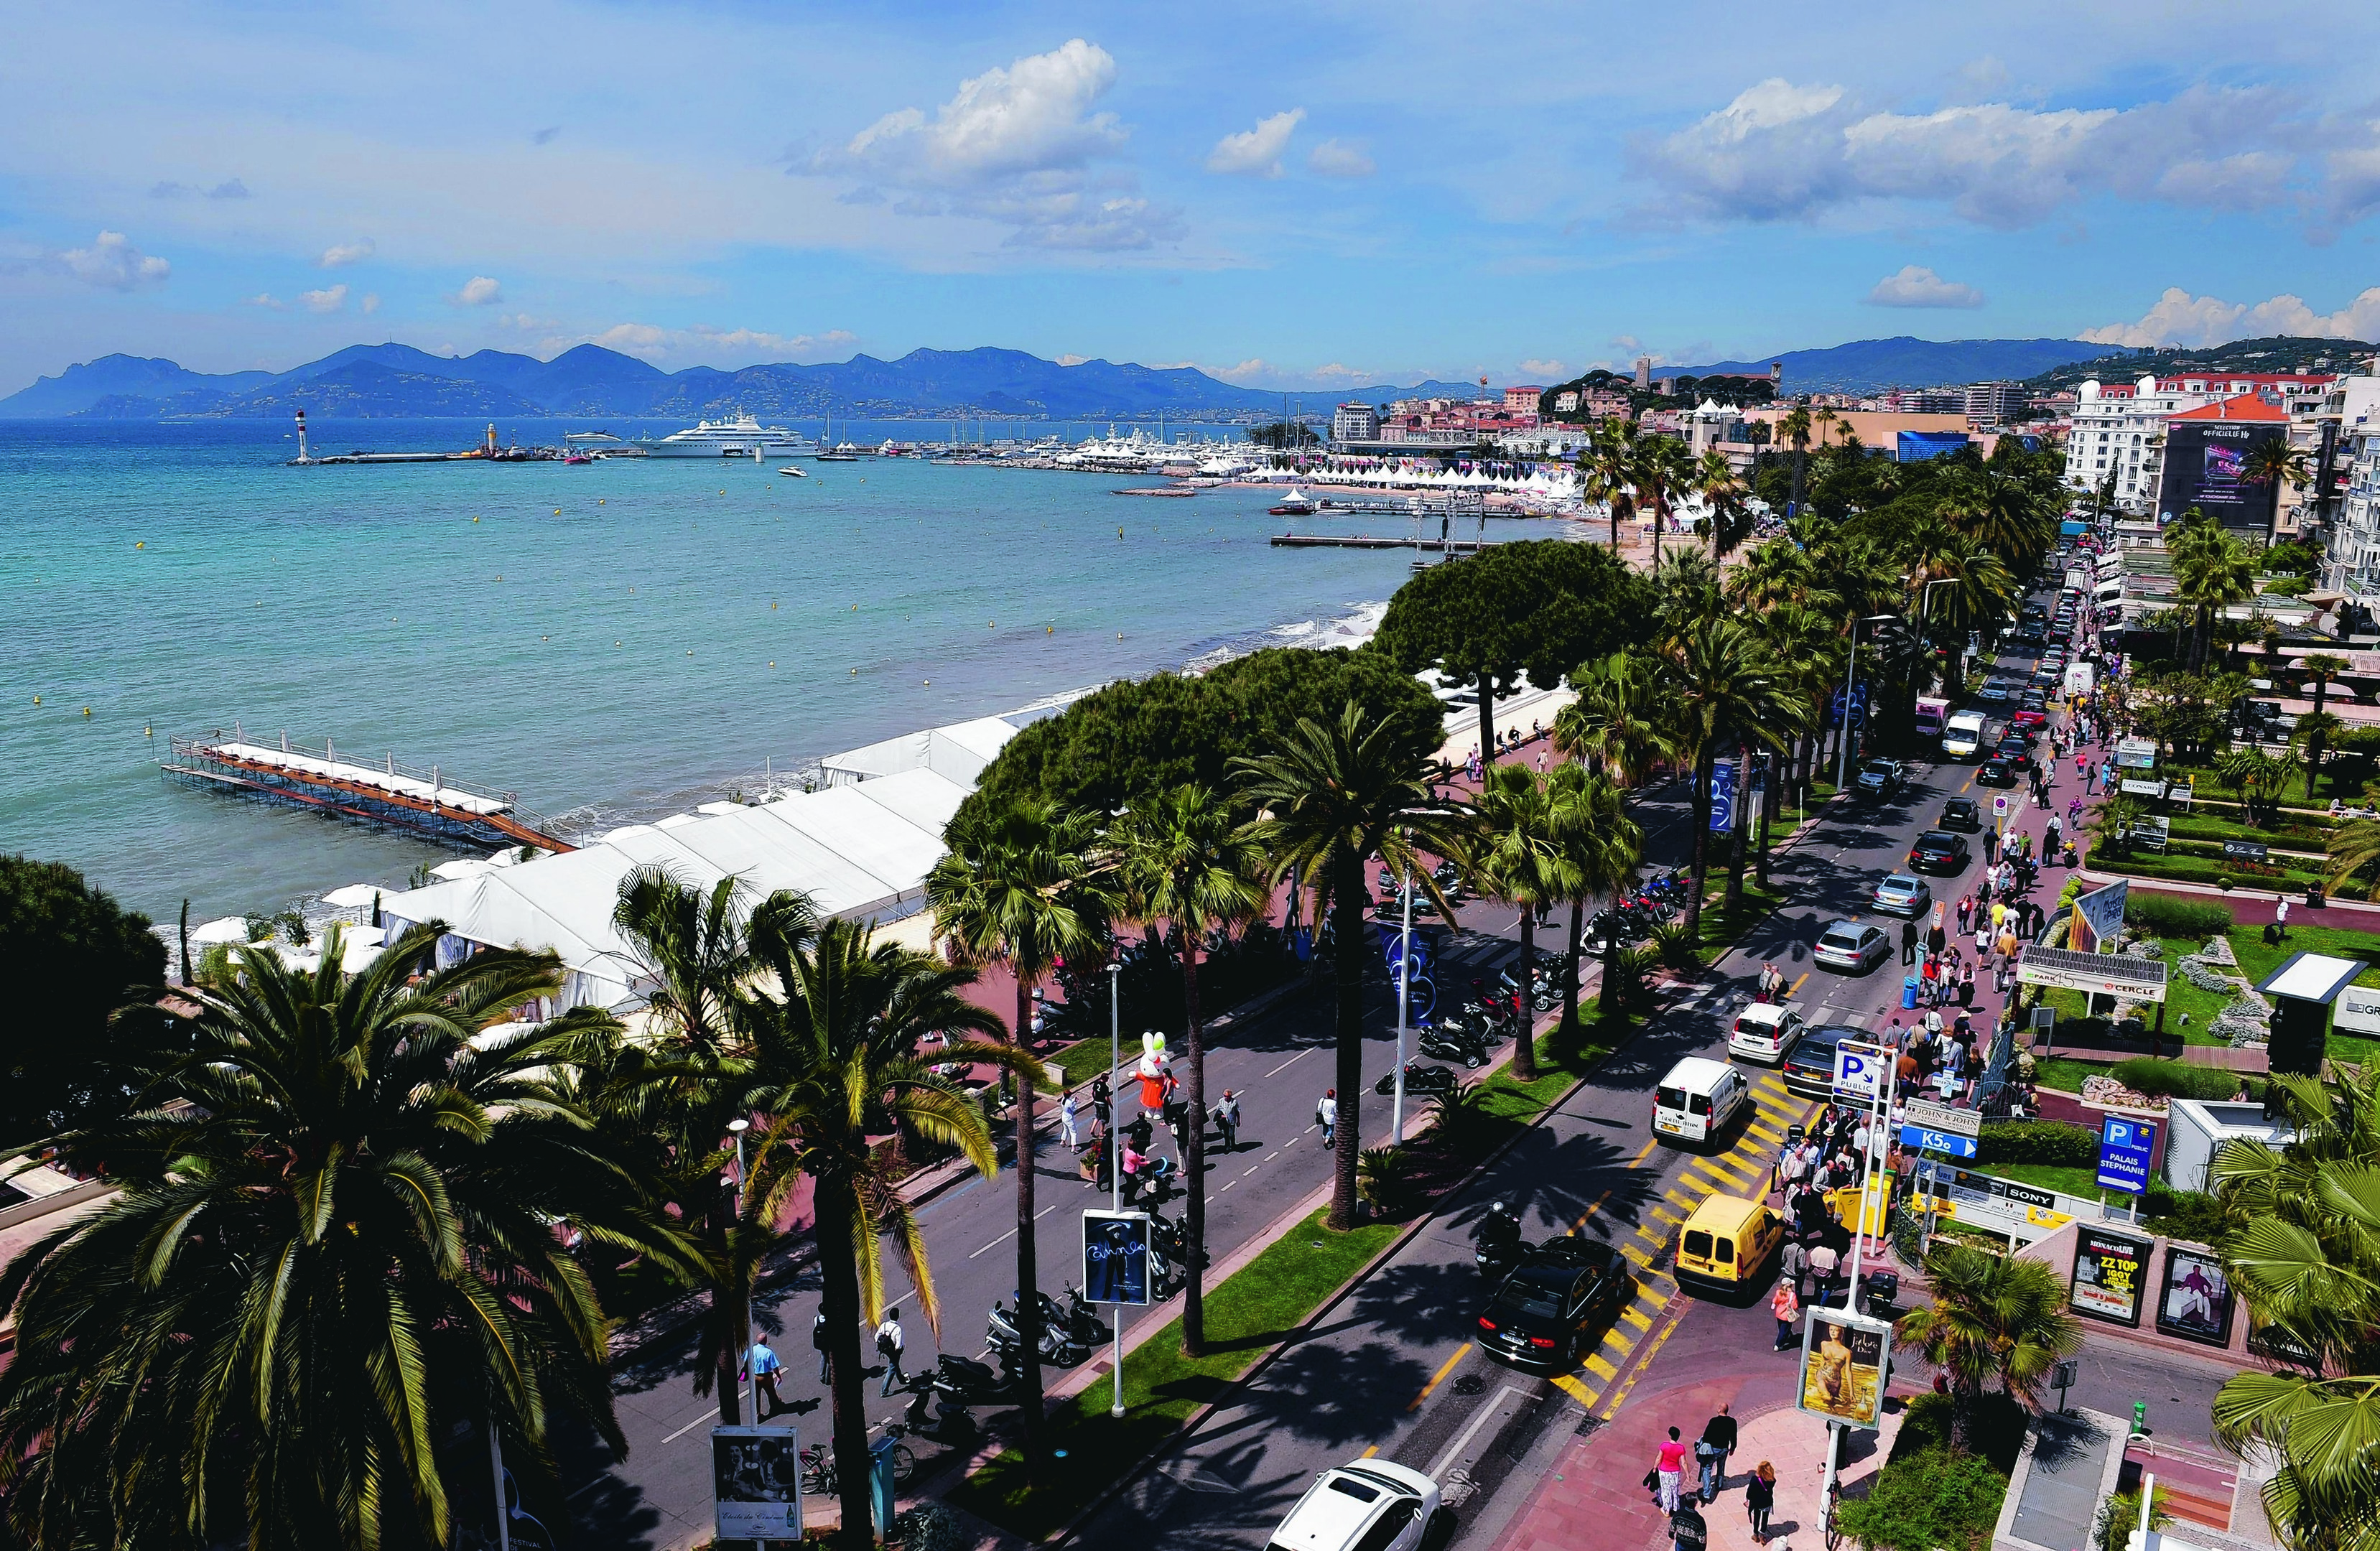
column 1637, row 1369
column 1796, row 985
column 1618, row 1339
column 1369, row 1452
column 1759, row 1130
column 1659, row 1214
column 1646, row 1230
column 1725, row 1184
column 1643, row 1150
column 1437, row 1378
column 1576, row 1391
column 1600, row 1368
column 1633, row 1316
column 1684, row 1202
column 1590, row 1212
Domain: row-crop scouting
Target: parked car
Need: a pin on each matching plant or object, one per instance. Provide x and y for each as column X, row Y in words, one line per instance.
column 1852, row 948
column 1763, row 1031
column 1543, row 1315
column 1881, row 777
column 1963, row 813
column 1900, row 894
column 1365, row 1505
column 1809, row 1069
column 1938, row 851
column 2030, row 717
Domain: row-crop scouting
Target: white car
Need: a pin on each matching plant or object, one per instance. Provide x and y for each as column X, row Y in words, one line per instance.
column 1369, row 1505
column 1697, row 1100
column 1763, row 1031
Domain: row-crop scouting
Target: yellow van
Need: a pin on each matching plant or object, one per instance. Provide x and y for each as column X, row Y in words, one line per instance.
column 1728, row 1241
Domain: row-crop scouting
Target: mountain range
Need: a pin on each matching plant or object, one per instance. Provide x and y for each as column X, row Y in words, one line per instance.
column 368, row 381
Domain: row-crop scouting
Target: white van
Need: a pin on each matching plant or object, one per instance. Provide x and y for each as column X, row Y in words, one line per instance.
column 1962, row 736
column 1697, row 1100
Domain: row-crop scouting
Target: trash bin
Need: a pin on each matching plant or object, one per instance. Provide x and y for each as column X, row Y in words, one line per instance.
column 1908, row 990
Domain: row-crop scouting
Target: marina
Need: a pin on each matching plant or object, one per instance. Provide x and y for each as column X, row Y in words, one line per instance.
column 391, row 795
column 1377, row 542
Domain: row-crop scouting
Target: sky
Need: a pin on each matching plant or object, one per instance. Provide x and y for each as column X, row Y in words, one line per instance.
column 1291, row 196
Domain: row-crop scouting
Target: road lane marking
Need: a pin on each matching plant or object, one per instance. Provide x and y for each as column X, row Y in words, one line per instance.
column 1795, row 989
column 1683, row 1203
column 1596, row 1364
column 1234, row 1183
column 1670, row 1218
column 1646, row 1230
column 1638, row 1368
column 1293, row 1060
column 1011, row 1232
column 1758, row 1130
column 1369, row 1452
column 1436, row 1471
column 1637, row 1317
column 1643, row 1150
column 1439, row 1378
column 1589, row 1212
column 692, row 1425
column 1569, row 1385
column 1619, row 1340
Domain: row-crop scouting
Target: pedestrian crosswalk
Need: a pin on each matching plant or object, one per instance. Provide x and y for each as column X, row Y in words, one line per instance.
column 1604, row 1376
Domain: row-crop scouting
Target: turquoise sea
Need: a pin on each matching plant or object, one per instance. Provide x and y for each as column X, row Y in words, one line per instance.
column 614, row 641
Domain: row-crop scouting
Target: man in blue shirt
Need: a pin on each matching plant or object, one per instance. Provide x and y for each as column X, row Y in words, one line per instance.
column 762, row 1364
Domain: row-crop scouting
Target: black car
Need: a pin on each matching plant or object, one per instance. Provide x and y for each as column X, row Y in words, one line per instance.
column 1542, row 1315
column 1963, row 813
column 1809, row 1067
column 1996, row 772
column 2013, row 749
column 1938, row 851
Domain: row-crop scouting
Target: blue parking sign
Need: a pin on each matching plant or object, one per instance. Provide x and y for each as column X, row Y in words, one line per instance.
column 2125, row 1146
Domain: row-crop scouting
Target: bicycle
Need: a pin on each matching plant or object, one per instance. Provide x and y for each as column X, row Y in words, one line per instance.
column 819, row 1479
column 1834, row 1524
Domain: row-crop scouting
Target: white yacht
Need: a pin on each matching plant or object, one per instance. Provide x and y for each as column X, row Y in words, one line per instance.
column 742, row 437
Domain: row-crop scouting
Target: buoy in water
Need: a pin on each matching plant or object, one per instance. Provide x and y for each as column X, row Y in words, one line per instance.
column 37, row 699
column 557, row 511
column 772, row 662
column 141, row 545
column 86, row 710
column 148, row 733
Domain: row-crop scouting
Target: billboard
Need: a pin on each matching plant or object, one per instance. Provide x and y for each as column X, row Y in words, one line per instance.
column 756, row 1483
column 2195, row 1302
column 1845, row 1360
column 2108, row 1269
column 1116, row 1257
column 1913, row 447
column 2098, row 921
column 1421, row 993
column 2205, row 466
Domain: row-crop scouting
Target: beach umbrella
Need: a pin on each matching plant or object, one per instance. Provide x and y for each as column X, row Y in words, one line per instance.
column 462, row 867
column 360, row 947
column 354, row 896
column 228, row 929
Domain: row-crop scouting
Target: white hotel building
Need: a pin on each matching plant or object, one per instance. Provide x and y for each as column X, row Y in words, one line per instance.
column 2120, row 428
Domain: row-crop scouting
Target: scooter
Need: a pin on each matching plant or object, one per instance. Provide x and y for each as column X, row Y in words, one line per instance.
column 951, row 1422
column 1497, row 1245
column 1056, row 1345
column 1419, row 1079
column 1453, row 1042
column 1076, row 1318
column 970, row 1383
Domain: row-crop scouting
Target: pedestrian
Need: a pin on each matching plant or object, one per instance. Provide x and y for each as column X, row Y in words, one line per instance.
column 1760, row 1500
column 1066, row 1124
column 1711, row 1451
column 818, row 1339
column 1792, row 1260
column 1687, row 1531
column 1132, row 1161
column 1966, row 913
column 2281, row 916
column 1227, row 1119
column 1823, row 1262
column 888, row 1346
column 1908, row 942
column 1966, row 986
column 1668, row 1472
column 1785, row 1303
column 1326, row 1115
column 1102, row 1104
column 761, row 1365
column 1933, row 1025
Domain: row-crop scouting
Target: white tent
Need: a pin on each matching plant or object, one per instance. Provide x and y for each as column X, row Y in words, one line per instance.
column 224, row 929
column 354, row 896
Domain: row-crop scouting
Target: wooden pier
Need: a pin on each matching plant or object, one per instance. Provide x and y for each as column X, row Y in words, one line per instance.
column 394, row 795
column 1375, row 541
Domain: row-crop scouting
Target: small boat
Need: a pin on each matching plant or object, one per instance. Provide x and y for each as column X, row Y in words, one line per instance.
column 580, row 457
column 793, row 473
column 1296, row 503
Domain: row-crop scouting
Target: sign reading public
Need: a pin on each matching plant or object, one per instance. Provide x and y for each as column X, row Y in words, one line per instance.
column 1116, row 1257
column 2109, row 1268
column 756, row 1483
column 2125, row 1146
column 1861, row 1070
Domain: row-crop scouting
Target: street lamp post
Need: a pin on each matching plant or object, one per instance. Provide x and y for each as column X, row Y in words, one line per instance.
column 737, row 1128
column 1404, row 1000
column 1851, row 675
column 1115, row 1165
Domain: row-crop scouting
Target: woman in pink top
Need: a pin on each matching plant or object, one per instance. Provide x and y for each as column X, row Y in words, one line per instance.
column 1668, row 1468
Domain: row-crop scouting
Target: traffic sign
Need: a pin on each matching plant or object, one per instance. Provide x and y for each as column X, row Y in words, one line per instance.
column 2124, row 1148
column 1861, row 1069
column 1926, row 1112
column 1950, row 1143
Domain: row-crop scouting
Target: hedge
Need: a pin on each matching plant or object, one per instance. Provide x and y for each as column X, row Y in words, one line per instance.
column 2173, row 915
column 2178, row 1079
column 2052, row 1142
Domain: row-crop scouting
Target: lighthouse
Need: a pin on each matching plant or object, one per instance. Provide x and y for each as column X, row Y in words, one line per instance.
column 301, row 438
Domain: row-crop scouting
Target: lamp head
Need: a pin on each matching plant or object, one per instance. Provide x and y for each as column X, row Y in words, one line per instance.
column 738, row 1126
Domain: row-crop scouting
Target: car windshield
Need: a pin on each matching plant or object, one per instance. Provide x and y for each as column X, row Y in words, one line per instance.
column 1879, row 767
column 1935, row 837
column 1356, row 1489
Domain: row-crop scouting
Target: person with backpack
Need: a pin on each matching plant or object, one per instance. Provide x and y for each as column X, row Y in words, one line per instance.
column 888, row 1346
column 818, row 1342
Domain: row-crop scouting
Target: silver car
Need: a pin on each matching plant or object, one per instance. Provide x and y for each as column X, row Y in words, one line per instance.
column 1901, row 894
column 1851, row 948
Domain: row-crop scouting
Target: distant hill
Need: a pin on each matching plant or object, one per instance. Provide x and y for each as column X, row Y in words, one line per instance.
column 2275, row 353
column 79, row 387
column 1864, row 366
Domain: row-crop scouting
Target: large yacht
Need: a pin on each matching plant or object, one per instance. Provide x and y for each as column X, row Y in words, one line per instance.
column 742, row 437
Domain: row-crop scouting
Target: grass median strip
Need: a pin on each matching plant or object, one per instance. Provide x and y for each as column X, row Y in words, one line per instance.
column 1247, row 1314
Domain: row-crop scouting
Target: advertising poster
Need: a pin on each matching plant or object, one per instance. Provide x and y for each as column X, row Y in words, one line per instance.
column 1116, row 1257
column 2098, row 919
column 2205, row 466
column 1843, row 1366
column 756, row 1483
column 2195, row 1302
column 1421, row 993
column 2109, row 1268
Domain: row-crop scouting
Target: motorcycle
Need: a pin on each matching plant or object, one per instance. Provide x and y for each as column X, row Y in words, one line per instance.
column 1497, row 1245
column 1453, row 1042
column 970, row 1383
column 1076, row 1316
column 951, row 1422
column 1056, row 1345
column 1543, row 993
column 1419, row 1079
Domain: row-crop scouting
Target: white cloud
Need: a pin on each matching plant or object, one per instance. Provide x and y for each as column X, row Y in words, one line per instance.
column 1781, row 151
column 328, row 300
column 264, row 299
column 1543, row 368
column 481, row 290
column 1917, row 286
column 1071, row 360
column 229, row 189
column 340, row 255
column 1256, row 151
column 112, row 261
column 370, row 304
column 1336, row 158
column 2181, row 319
column 1020, row 146
column 707, row 346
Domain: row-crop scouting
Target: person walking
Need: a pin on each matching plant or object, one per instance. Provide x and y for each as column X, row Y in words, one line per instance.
column 761, row 1361
column 1227, row 1120
column 1711, row 1451
column 817, row 1341
column 1785, row 1304
column 2281, row 915
column 888, row 1346
column 1132, row 1161
column 1668, row 1472
column 1102, row 1105
column 1326, row 1115
column 1908, row 942
column 1066, row 1124
column 1760, row 1500
column 1794, row 1257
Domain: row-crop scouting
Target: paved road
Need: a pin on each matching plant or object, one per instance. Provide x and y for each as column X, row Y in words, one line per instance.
column 1391, row 1370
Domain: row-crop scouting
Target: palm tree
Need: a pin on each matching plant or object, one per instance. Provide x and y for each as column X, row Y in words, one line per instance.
column 2212, row 570
column 2322, row 665
column 2004, row 512
column 2354, row 848
column 337, row 1239
column 694, row 948
column 1331, row 798
column 1606, row 470
column 1724, row 499
column 1663, row 474
column 1186, row 859
column 1803, row 643
column 833, row 1056
column 1795, row 428
column 2274, row 464
column 1018, row 884
column 1726, row 694
column 1515, row 858
column 2301, row 1253
column 1993, row 1317
column 1596, row 850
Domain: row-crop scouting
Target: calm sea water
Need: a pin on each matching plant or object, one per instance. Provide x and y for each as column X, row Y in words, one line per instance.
column 614, row 641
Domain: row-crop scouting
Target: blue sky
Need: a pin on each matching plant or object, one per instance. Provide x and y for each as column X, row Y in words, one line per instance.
column 1286, row 196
